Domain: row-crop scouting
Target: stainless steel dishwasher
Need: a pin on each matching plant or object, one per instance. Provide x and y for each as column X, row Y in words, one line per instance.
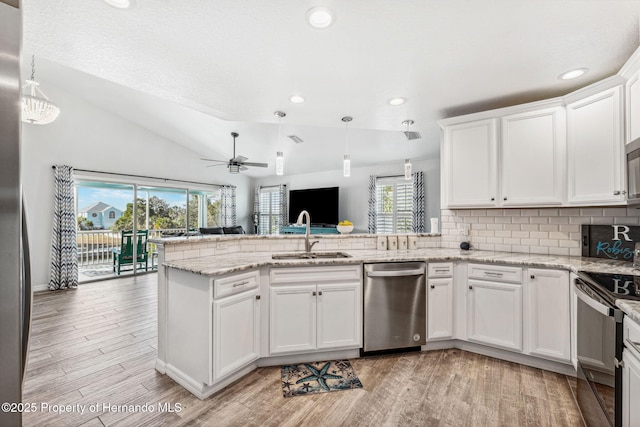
column 395, row 305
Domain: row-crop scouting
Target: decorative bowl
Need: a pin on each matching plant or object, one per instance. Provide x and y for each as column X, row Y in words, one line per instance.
column 345, row 229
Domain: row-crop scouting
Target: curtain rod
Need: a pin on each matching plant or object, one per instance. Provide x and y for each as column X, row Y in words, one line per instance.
column 147, row 177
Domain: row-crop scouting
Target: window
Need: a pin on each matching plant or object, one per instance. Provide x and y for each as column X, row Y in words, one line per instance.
column 269, row 208
column 112, row 215
column 394, row 198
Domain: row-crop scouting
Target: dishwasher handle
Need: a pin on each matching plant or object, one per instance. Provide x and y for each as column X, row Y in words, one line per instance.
column 395, row 273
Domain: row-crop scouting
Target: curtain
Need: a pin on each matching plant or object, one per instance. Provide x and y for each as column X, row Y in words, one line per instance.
column 284, row 206
column 228, row 205
column 372, row 205
column 256, row 210
column 418, row 203
column 64, row 244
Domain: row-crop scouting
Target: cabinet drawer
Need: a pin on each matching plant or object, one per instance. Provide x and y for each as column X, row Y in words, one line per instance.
column 440, row 269
column 495, row 273
column 316, row 274
column 236, row 283
column 632, row 334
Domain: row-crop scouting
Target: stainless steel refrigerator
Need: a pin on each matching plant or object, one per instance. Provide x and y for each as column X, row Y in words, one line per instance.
column 15, row 286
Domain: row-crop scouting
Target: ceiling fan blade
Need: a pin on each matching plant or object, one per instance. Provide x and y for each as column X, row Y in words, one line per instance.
column 258, row 165
column 213, row 160
column 239, row 159
column 219, row 164
column 244, row 168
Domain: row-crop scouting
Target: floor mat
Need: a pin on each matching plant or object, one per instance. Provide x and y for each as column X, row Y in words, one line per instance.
column 318, row 377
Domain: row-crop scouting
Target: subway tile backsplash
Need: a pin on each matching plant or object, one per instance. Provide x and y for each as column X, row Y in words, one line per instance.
column 550, row 231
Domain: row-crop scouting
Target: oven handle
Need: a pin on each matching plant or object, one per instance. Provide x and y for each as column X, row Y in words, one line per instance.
column 597, row 306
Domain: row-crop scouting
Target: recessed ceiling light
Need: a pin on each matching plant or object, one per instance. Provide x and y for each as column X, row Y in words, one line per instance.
column 120, row 4
column 319, row 17
column 397, row 101
column 573, row 74
column 296, row 99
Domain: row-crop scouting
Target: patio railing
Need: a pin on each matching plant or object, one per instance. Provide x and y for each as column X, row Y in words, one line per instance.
column 95, row 246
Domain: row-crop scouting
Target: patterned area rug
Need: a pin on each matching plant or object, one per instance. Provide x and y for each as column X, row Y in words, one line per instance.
column 318, row 377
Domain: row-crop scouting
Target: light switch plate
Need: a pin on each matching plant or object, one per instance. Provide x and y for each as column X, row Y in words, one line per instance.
column 403, row 243
column 413, row 243
column 382, row 243
column 392, row 243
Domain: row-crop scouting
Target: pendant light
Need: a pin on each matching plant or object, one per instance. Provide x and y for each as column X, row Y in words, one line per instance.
column 346, row 162
column 409, row 136
column 279, row 154
column 36, row 107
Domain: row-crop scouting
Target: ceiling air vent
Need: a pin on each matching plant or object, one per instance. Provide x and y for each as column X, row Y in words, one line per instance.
column 296, row 139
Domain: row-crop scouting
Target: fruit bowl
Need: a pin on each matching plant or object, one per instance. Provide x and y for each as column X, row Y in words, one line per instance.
column 345, row 229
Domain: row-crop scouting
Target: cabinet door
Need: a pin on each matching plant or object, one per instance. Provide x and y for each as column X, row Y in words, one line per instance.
column 339, row 315
column 292, row 318
column 630, row 390
column 595, row 157
column 533, row 146
column 633, row 107
column 495, row 314
column 236, row 332
column 470, row 155
column 440, row 309
column 549, row 320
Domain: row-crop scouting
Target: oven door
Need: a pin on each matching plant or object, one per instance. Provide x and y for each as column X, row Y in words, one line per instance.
column 599, row 348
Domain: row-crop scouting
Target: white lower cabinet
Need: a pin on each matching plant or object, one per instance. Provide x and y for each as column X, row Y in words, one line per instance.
column 236, row 332
column 440, row 309
column 315, row 308
column 549, row 320
column 495, row 313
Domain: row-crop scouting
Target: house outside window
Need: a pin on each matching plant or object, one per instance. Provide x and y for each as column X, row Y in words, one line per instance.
column 112, row 215
column 394, row 208
column 269, row 208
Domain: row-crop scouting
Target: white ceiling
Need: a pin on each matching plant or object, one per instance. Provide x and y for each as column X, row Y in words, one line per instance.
column 193, row 71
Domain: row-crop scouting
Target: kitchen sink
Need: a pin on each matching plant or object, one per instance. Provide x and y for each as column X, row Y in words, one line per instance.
column 311, row 255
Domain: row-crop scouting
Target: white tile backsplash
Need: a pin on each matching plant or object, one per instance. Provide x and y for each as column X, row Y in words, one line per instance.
column 553, row 231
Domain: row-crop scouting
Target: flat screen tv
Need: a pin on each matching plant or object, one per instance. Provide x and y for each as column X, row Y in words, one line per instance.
column 321, row 203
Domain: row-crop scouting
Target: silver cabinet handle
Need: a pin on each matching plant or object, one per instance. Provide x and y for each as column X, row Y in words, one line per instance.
column 257, row 296
column 493, row 199
column 433, row 286
column 320, row 293
column 491, row 273
column 441, row 270
column 470, row 287
column 504, row 198
column 313, row 293
column 533, row 277
column 246, row 282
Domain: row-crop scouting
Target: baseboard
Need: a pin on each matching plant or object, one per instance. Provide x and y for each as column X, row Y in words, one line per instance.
column 522, row 359
column 161, row 366
column 40, row 288
column 291, row 359
column 202, row 391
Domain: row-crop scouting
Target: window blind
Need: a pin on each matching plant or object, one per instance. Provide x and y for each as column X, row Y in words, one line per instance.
column 269, row 211
column 394, row 205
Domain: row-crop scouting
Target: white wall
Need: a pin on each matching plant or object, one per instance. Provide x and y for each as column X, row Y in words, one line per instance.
column 353, row 190
column 87, row 137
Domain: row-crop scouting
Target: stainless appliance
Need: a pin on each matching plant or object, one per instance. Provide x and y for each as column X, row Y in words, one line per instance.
column 15, row 290
column 395, row 306
column 600, row 345
column 633, row 172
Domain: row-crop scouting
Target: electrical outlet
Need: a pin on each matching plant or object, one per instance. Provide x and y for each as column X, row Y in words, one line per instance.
column 463, row 229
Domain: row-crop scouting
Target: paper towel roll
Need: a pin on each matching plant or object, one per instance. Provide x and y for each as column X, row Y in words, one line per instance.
column 434, row 226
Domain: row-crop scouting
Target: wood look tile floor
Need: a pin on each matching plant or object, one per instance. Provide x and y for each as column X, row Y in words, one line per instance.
column 97, row 345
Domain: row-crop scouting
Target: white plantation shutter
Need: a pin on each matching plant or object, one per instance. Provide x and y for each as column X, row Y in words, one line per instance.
column 394, row 205
column 269, row 209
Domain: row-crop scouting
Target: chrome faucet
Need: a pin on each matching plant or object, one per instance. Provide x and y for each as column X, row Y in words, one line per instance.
column 307, row 245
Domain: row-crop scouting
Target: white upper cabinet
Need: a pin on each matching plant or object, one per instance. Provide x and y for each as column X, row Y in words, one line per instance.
column 470, row 155
column 595, row 158
column 632, row 110
column 532, row 157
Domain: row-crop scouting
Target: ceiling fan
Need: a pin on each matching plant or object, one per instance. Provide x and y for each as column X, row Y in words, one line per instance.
column 237, row 163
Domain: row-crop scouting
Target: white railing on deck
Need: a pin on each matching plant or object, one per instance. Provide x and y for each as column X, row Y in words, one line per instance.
column 95, row 246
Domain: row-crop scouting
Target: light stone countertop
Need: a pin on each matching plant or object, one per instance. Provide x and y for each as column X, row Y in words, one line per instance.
column 222, row 264
column 221, row 237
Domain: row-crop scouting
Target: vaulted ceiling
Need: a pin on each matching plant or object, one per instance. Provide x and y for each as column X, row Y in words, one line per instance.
column 193, row 71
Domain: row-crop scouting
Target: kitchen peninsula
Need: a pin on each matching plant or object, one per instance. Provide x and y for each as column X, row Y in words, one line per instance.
column 219, row 316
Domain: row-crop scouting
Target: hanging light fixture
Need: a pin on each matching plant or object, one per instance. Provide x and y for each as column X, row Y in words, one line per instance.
column 36, row 107
column 409, row 136
column 346, row 162
column 279, row 154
